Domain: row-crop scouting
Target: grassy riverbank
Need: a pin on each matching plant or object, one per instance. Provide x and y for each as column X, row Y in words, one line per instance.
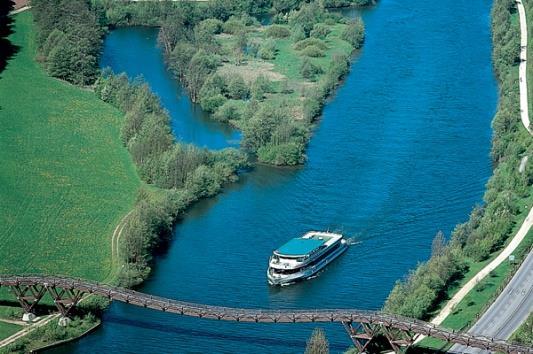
column 67, row 180
column 507, row 200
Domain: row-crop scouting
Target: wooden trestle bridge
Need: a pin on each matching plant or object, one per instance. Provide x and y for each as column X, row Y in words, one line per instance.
column 361, row 326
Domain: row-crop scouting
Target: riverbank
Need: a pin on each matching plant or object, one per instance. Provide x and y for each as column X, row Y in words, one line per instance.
column 476, row 243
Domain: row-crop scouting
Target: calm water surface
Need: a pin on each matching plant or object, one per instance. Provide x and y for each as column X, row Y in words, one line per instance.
column 400, row 153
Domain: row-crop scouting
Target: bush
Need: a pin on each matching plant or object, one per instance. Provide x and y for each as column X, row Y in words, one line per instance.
column 231, row 110
column 277, row 31
column 310, row 42
column 268, row 50
column 233, row 26
column 260, row 87
column 309, row 71
column 212, row 103
column 354, row 33
column 237, row 88
column 288, row 154
column 320, row 30
column 313, row 51
column 298, row 34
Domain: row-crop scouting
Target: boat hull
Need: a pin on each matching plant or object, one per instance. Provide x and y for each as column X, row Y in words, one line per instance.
column 307, row 272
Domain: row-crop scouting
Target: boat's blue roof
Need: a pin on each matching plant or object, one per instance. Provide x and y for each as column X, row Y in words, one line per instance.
column 299, row 246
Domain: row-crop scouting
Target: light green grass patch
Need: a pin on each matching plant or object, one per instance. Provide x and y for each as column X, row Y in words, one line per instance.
column 65, row 180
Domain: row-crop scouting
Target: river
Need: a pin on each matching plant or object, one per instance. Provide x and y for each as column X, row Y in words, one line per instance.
column 401, row 151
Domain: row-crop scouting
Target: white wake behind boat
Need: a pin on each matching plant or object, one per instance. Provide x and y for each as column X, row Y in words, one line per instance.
column 304, row 256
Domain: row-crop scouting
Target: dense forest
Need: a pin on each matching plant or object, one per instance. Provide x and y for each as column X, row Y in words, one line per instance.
column 492, row 224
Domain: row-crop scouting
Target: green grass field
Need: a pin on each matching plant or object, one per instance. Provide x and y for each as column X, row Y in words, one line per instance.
column 65, row 180
column 8, row 329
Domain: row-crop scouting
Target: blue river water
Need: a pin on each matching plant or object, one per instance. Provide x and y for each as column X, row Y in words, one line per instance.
column 401, row 151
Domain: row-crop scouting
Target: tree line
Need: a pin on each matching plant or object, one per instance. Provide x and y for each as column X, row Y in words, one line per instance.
column 69, row 39
column 183, row 172
column 490, row 225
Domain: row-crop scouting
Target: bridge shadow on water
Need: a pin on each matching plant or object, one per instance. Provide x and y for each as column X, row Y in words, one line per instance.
column 173, row 329
column 7, row 49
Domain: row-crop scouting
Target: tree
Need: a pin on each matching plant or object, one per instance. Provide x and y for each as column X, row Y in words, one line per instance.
column 354, row 33
column 237, row 88
column 438, row 246
column 317, row 343
column 202, row 64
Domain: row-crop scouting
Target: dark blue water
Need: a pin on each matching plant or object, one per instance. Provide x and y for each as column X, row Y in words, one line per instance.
column 400, row 153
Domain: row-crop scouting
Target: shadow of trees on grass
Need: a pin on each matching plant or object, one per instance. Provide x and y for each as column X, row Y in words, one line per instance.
column 7, row 49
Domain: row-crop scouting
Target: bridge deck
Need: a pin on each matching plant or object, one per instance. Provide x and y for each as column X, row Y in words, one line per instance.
column 262, row 315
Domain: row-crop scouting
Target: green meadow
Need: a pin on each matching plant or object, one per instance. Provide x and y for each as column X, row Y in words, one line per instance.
column 65, row 180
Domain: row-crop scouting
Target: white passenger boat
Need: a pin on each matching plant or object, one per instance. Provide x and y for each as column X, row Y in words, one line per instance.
column 304, row 256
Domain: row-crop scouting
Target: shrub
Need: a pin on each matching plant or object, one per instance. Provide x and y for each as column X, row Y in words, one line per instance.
column 260, row 86
column 268, row 50
column 354, row 33
column 313, row 51
column 309, row 71
column 320, row 30
column 212, row 103
column 231, row 110
column 233, row 26
column 237, row 88
column 277, row 31
column 288, row 154
column 298, row 34
column 310, row 42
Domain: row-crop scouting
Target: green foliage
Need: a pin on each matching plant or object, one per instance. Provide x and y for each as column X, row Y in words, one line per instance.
column 267, row 51
column 234, row 25
column 287, row 154
column 307, row 16
column 313, row 52
column 70, row 39
column 277, row 31
column 315, row 42
column 187, row 173
column 317, row 343
column 354, row 33
column 309, row 70
column 260, row 87
column 230, row 110
column 237, row 88
column 524, row 334
column 320, row 30
column 298, row 34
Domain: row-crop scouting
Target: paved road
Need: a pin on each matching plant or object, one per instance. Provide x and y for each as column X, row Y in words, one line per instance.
column 509, row 310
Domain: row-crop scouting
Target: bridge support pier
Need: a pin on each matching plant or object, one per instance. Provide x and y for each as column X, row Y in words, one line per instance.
column 28, row 296
column 361, row 334
column 65, row 300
